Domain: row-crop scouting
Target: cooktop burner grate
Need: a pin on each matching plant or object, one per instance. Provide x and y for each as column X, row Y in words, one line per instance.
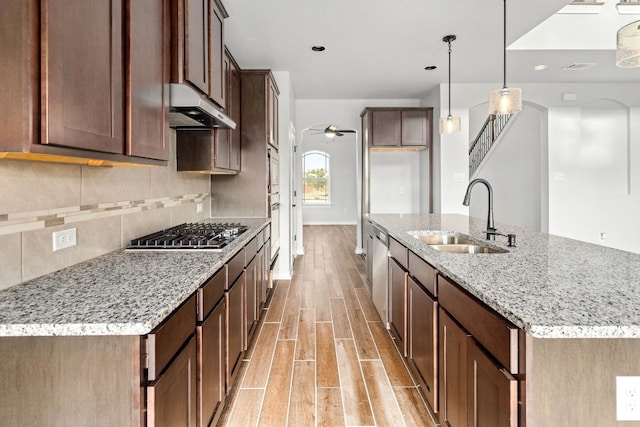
column 201, row 235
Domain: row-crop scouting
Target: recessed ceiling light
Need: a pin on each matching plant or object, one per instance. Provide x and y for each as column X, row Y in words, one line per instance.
column 318, row 48
column 540, row 67
column 430, row 67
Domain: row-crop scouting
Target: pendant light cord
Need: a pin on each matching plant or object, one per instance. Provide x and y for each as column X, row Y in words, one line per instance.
column 504, row 44
column 449, row 78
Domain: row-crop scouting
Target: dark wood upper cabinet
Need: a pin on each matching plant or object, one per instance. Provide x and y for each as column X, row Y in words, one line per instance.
column 408, row 128
column 82, row 78
column 148, row 52
column 217, row 16
column 86, row 81
column 233, row 109
column 386, row 128
column 415, row 127
column 215, row 151
column 198, row 46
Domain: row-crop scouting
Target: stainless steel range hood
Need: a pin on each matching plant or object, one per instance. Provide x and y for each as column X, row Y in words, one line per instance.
column 190, row 109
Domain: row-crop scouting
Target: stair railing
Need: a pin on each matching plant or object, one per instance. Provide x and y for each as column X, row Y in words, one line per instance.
column 485, row 139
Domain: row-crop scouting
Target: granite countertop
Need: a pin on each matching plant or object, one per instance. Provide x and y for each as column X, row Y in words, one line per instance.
column 120, row 293
column 550, row 286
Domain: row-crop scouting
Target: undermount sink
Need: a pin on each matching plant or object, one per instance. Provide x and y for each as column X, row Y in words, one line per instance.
column 456, row 243
column 469, row 249
column 444, row 239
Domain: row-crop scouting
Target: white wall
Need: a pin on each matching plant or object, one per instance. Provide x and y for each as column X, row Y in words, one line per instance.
column 514, row 167
column 395, row 182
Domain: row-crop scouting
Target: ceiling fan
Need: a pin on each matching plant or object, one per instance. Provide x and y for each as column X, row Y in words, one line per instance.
column 332, row 131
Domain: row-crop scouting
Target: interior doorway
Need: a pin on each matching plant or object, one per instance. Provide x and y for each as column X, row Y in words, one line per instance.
column 341, row 171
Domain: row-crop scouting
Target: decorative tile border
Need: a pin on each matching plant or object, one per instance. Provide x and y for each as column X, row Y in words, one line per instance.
column 36, row 220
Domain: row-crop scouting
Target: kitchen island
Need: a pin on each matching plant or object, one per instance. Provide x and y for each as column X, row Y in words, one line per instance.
column 576, row 305
column 117, row 340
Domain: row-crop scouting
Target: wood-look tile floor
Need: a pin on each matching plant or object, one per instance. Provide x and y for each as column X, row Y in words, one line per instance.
column 322, row 357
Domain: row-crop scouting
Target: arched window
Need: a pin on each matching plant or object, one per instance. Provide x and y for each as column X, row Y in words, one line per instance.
column 315, row 181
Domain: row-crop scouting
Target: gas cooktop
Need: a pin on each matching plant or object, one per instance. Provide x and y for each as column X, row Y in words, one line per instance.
column 190, row 236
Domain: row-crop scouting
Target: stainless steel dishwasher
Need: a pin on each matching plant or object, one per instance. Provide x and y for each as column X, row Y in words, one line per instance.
column 379, row 285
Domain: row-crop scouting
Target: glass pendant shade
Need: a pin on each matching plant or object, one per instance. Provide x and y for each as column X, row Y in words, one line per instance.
column 450, row 124
column 507, row 100
column 628, row 46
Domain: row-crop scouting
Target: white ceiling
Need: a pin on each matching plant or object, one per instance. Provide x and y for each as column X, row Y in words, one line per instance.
column 377, row 49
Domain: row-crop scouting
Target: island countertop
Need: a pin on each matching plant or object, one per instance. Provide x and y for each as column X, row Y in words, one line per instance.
column 550, row 286
column 120, row 293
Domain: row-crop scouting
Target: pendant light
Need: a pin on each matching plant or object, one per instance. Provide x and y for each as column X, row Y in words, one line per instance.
column 628, row 46
column 505, row 100
column 449, row 124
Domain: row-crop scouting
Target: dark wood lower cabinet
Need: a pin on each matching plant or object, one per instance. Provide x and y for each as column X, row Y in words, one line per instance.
column 492, row 391
column 422, row 339
column 234, row 298
column 171, row 400
column 453, row 372
column 251, row 296
column 397, row 303
column 211, row 369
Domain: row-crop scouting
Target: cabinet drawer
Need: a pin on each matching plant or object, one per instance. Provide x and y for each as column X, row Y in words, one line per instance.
column 260, row 238
column 267, row 232
column 235, row 267
column 423, row 273
column 211, row 292
column 165, row 340
column 250, row 250
column 497, row 335
column 399, row 252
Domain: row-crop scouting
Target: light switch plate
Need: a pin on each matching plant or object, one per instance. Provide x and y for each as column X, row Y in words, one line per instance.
column 628, row 398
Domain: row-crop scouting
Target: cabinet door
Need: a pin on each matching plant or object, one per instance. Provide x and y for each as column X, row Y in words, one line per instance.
column 211, row 370
column 148, row 30
column 250, row 299
column 216, row 43
column 82, row 75
column 414, row 128
column 398, row 284
column 196, row 65
column 235, row 328
column 171, row 400
column 422, row 341
column 369, row 261
column 492, row 392
column 272, row 114
column 221, row 140
column 386, row 128
column 263, row 279
column 233, row 109
column 453, row 342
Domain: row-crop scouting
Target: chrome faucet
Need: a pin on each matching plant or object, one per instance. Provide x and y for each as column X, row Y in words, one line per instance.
column 491, row 229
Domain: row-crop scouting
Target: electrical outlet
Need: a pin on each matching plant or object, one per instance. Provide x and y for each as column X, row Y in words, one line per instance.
column 401, row 190
column 199, row 207
column 628, row 398
column 64, row 239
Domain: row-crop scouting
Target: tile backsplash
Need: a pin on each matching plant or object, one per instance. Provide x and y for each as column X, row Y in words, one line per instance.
column 107, row 206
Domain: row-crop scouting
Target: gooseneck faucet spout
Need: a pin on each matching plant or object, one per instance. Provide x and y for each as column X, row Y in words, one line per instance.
column 467, row 198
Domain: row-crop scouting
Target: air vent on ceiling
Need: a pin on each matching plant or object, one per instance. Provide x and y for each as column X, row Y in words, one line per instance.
column 579, row 66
